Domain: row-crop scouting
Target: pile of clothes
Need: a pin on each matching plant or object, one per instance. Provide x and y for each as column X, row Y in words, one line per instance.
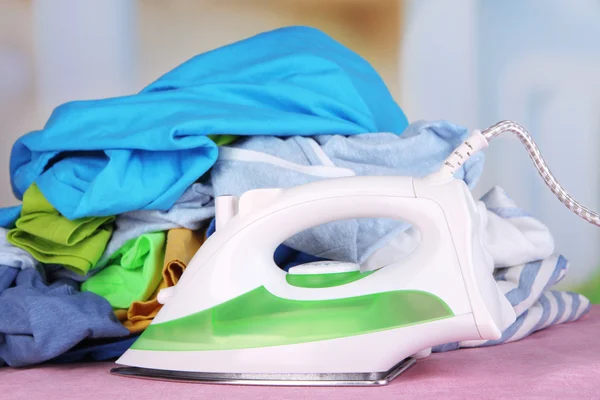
column 118, row 194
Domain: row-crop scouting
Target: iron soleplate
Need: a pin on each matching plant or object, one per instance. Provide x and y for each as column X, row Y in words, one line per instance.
column 294, row 379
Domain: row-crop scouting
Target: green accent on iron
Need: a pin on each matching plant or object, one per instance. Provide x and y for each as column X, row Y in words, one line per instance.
column 325, row 280
column 260, row 319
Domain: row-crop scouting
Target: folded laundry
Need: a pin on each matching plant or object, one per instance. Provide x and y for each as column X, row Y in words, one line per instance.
column 132, row 273
column 41, row 320
column 52, row 239
column 181, row 246
column 193, row 210
column 526, row 269
column 240, row 169
column 267, row 162
column 13, row 256
column 109, row 156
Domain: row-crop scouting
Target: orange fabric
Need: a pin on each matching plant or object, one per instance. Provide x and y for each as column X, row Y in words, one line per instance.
column 182, row 244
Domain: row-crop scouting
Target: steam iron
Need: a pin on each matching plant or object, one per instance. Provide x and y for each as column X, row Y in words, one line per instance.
column 237, row 318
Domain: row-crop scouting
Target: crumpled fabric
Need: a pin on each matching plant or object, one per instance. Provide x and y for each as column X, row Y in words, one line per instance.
column 268, row 162
column 53, row 239
column 192, row 211
column 182, row 245
column 526, row 268
column 141, row 152
column 133, row 272
column 40, row 321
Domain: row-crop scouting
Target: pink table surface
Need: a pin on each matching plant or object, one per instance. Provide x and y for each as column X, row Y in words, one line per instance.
column 559, row 362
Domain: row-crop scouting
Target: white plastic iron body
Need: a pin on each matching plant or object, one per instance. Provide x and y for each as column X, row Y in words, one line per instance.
column 450, row 265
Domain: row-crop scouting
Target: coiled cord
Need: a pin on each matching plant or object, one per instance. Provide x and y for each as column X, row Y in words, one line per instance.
column 535, row 155
column 478, row 140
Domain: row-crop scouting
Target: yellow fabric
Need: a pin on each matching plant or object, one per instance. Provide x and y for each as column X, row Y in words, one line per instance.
column 182, row 244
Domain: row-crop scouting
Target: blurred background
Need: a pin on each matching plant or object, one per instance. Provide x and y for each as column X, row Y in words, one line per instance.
column 471, row 62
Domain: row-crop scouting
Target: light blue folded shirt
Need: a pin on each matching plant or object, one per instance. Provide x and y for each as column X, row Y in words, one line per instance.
column 141, row 152
column 271, row 162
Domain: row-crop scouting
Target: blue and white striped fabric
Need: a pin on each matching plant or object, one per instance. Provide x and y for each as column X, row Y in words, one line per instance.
column 526, row 267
